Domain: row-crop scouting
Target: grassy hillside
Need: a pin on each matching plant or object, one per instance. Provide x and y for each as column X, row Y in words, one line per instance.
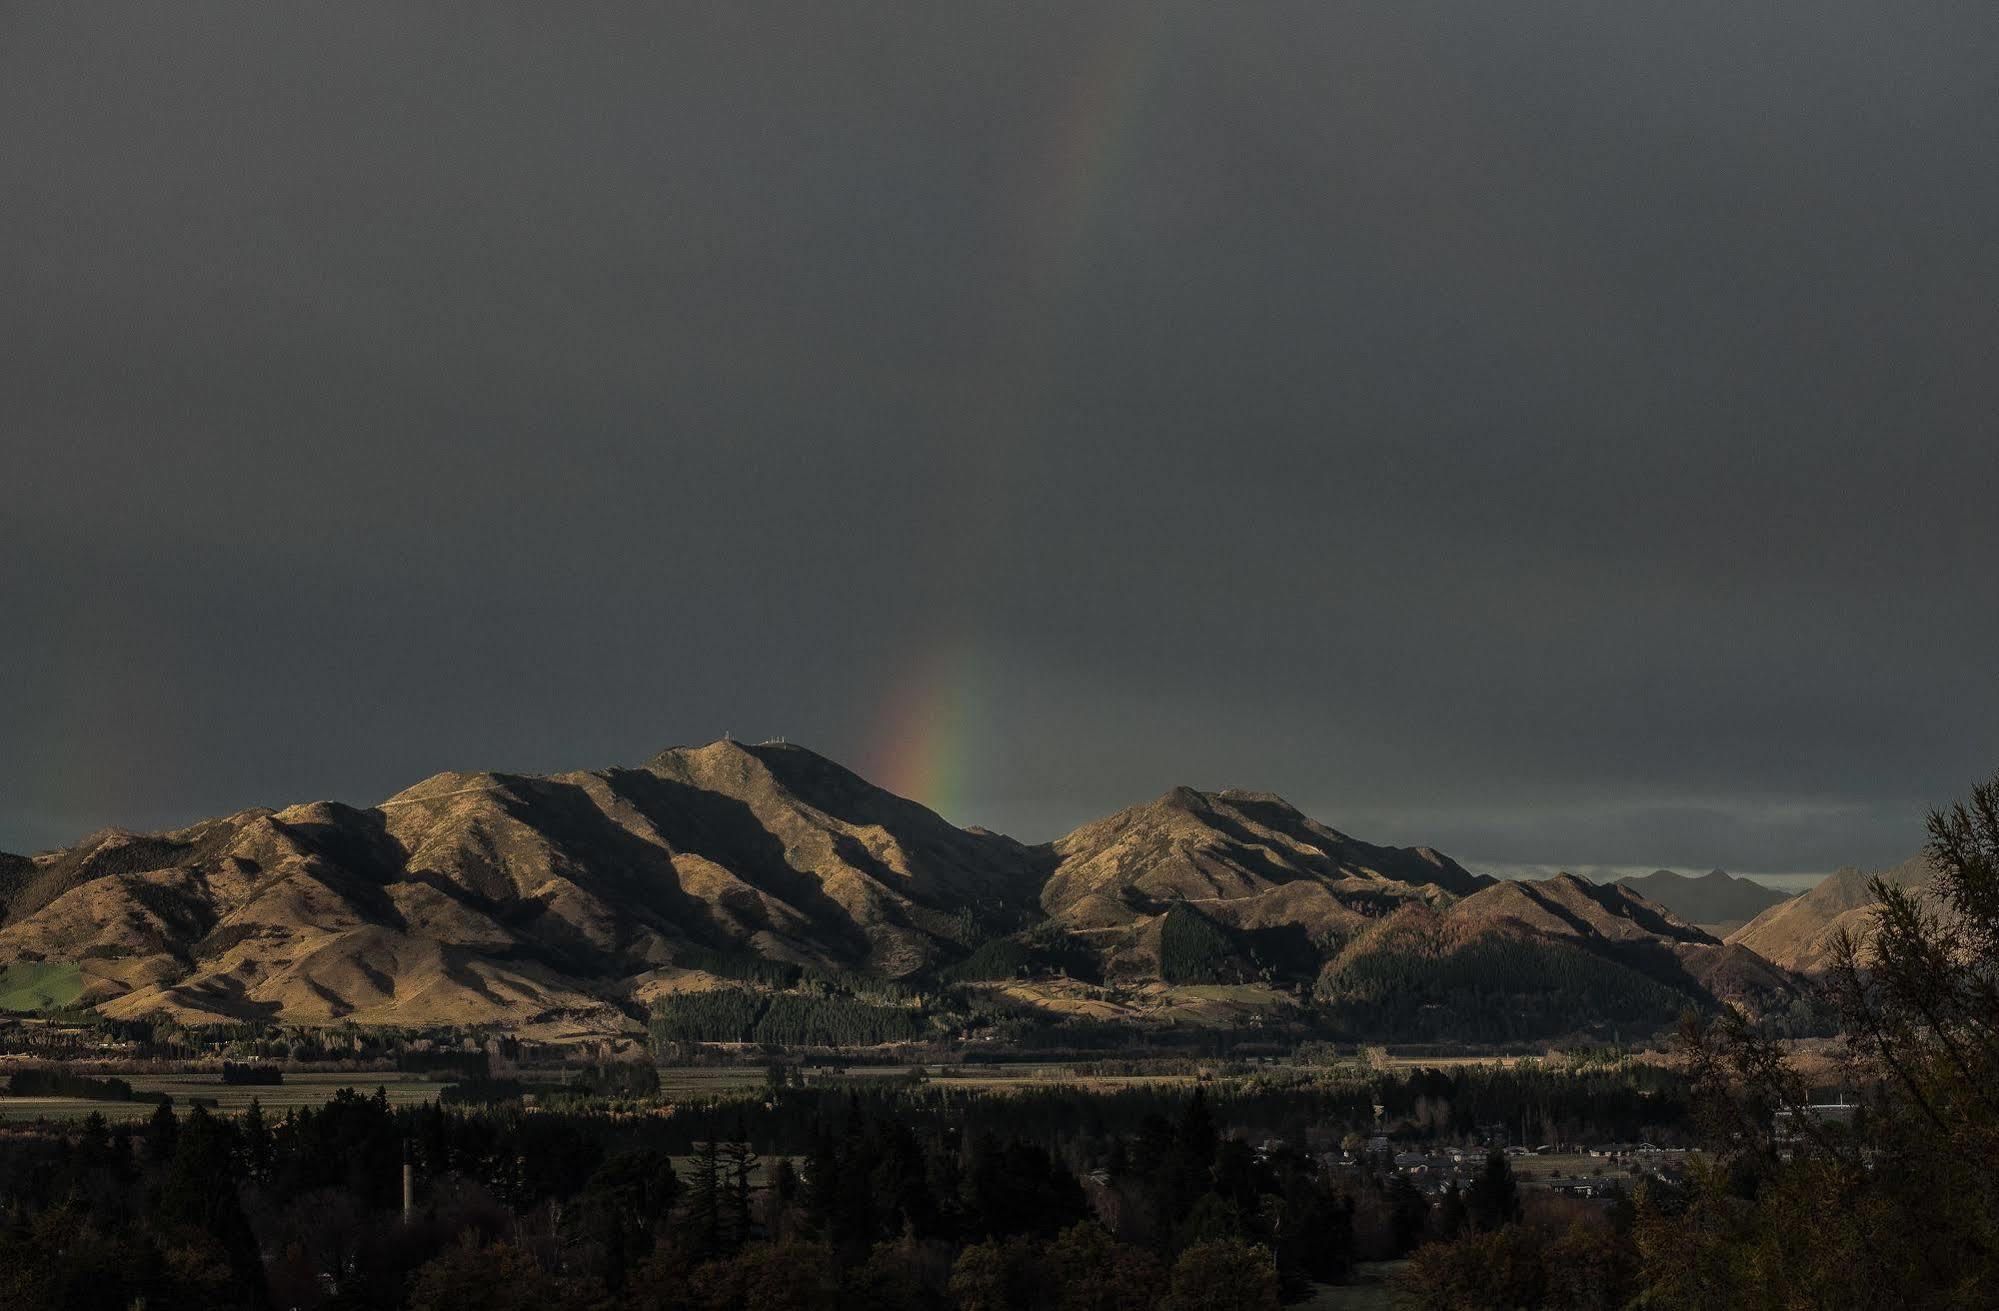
column 38, row 986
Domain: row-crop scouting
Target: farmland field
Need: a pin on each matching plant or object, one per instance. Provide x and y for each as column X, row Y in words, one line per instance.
column 688, row 1081
column 296, row 1091
column 678, row 1083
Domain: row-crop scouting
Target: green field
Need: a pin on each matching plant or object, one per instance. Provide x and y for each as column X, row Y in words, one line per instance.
column 39, row 986
column 298, row 1090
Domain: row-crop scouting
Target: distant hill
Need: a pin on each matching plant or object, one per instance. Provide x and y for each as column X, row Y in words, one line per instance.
column 1717, row 900
column 1798, row 934
column 714, row 882
column 1401, row 940
column 1248, row 861
column 1518, row 959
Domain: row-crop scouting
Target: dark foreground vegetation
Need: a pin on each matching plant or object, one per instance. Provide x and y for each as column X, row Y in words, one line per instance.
column 1247, row 1192
column 882, row 1194
column 1793, row 1205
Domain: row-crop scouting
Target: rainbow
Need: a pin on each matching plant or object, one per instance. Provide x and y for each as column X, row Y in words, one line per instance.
column 932, row 725
column 935, row 717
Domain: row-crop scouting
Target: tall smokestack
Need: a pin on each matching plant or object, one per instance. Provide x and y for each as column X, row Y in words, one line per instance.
column 409, row 1184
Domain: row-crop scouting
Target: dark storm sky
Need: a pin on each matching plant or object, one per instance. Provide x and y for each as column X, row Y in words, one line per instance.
column 1560, row 433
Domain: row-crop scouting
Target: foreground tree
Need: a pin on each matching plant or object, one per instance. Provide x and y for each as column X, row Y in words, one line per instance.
column 1225, row 1275
column 469, row 1277
column 1088, row 1270
column 1493, row 1270
column 1493, row 1198
column 792, row 1276
column 1591, row 1267
column 1900, row 1206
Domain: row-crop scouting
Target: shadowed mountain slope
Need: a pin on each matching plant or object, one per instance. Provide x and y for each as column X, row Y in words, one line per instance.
column 1716, row 898
column 1619, row 924
column 1524, row 959
column 1573, row 907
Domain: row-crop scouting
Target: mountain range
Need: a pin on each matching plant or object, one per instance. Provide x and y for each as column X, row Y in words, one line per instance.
column 1717, row 900
column 572, row 905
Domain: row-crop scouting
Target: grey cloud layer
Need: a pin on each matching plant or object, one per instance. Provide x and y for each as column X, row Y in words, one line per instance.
column 1559, row 433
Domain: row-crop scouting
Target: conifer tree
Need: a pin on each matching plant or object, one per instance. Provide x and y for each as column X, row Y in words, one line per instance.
column 1493, row 1198
column 704, row 1200
column 739, row 1163
column 162, row 1133
column 256, row 1144
column 822, row 1174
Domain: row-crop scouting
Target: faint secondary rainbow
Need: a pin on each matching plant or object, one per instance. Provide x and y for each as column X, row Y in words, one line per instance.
column 935, row 725
column 1087, row 142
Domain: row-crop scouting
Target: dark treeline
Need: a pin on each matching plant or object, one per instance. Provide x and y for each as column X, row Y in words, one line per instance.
column 81, row 1034
column 482, row 1090
column 255, row 1076
column 61, row 1083
column 748, row 967
column 923, row 1196
column 781, row 1019
column 1621, row 1103
column 461, row 1063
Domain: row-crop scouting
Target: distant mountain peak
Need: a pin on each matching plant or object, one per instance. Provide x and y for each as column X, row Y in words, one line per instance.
column 1245, row 858
column 1714, row 898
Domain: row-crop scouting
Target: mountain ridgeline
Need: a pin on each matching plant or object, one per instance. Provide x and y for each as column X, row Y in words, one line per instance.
column 732, row 892
column 1718, row 901
column 1800, row 933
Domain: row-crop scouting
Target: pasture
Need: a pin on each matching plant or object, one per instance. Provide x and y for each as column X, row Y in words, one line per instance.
column 31, row 986
column 298, row 1090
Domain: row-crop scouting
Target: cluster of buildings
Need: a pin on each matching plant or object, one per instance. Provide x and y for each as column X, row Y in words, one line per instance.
column 1570, row 1169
